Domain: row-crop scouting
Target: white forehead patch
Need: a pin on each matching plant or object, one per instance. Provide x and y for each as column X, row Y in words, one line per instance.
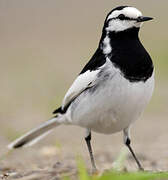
column 130, row 12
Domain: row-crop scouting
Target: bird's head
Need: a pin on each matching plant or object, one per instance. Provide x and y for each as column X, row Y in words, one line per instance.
column 123, row 18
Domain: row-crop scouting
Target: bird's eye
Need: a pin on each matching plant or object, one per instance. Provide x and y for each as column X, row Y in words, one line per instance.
column 121, row 16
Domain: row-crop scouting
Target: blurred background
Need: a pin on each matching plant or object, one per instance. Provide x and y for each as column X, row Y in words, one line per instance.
column 45, row 44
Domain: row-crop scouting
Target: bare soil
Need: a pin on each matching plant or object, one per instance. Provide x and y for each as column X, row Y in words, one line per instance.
column 55, row 156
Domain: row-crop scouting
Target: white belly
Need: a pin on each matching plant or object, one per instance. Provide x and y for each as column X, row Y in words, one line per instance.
column 113, row 106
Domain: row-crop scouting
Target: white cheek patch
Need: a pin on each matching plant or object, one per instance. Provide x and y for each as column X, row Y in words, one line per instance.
column 117, row 25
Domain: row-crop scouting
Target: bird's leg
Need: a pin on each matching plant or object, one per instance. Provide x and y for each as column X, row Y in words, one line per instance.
column 88, row 139
column 127, row 142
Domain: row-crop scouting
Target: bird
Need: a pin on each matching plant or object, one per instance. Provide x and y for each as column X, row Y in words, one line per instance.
column 112, row 90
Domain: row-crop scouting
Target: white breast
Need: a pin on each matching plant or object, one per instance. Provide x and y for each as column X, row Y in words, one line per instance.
column 113, row 105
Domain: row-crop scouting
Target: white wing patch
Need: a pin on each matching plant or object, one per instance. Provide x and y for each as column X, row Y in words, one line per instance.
column 82, row 82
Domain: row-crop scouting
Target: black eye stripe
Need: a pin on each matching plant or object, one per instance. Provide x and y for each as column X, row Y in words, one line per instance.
column 122, row 18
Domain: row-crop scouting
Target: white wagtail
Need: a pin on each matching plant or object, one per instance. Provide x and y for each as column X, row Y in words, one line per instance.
column 113, row 88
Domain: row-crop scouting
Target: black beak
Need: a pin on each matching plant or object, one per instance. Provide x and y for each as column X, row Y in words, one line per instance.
column 143, row 18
